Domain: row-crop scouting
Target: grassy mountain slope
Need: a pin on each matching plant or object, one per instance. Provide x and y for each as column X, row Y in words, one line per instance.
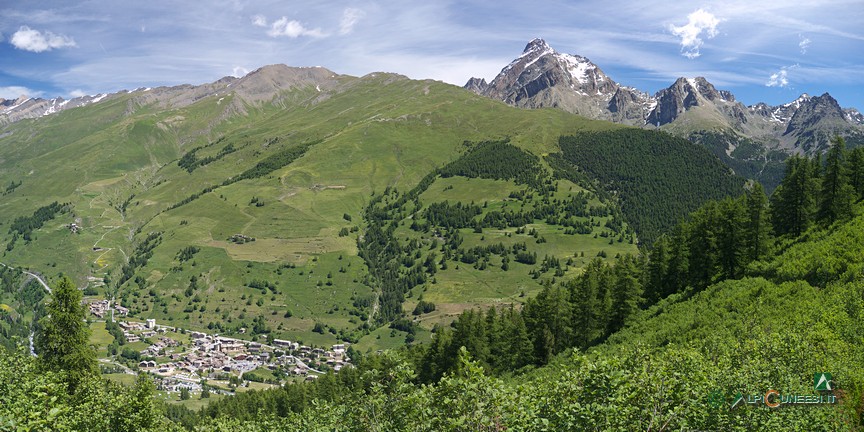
column 118, row 167
column 227, row 209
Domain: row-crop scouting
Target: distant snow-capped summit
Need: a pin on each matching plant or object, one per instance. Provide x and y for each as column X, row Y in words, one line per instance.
column 542, row 77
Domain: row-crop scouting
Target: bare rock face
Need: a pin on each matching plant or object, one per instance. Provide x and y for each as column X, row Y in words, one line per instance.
column 630, row 106
column 543, row 77
column 687, row 93
column 476, row 85
column 816, row 110
column 26, row 108
column 818, row 119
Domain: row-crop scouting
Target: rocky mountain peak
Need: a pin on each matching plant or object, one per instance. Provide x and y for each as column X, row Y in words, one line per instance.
column 477, row 85
column 536, row 45
column 541, row 76
column 688, row 93
column 8, row 103
column 818, row 111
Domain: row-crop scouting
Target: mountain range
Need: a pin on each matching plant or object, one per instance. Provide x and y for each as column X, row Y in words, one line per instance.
column 542, row 77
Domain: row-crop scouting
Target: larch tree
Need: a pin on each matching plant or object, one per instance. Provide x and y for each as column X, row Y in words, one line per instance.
column 837, row 195
column 62, row 339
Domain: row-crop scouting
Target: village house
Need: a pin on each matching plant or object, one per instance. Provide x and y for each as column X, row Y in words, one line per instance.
column 122, row 311
column 99, row 308
column 131, row 326
column 147, row 364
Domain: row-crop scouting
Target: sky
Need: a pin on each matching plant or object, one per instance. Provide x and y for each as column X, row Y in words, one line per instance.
column 762, row 50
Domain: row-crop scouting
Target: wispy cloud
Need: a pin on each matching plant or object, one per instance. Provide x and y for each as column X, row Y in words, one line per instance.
column 28, row 39
column 289, row 28
column 14, row 92
column 239, row 71
column 803, row 44
column 780, row 78
column 441, row 39
column 698, row 22
column 77, row 93
column 259, row 20
column 349, row 19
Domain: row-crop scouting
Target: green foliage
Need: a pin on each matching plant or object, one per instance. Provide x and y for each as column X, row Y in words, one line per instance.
column 837, row 194
column 17, row 296
column 273, row 162
column 187, row 253
column 855, row 168
column 659, row 178
column 423, row 307
column 821, row 256
column 496, row 160
column 62, row 335
column 190, row 161
column 35, row 399
column 793, row 203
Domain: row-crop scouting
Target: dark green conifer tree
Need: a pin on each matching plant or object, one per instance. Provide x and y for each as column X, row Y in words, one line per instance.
column 62, row 338
column 793, row 203
column 658, row 268
column 677, row 274
column 703, row 240
column 758, row 230
column 548, row 317
column 731, row 237
column 837, row 195
column 521, row 348
column 589, row 319
column 626, row 294
column 855, row 168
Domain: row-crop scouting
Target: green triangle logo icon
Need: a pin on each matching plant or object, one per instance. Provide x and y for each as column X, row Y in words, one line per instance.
column 822, row 381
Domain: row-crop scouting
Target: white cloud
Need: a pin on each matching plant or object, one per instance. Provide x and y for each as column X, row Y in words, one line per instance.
column 28, row 39
column 691, row 33
column 77, row 93
column 292, row 29
column 239, row 71
column 14, row 92
column 349, row 19
column 780, row 78
column 259, row 21
column 803, row 44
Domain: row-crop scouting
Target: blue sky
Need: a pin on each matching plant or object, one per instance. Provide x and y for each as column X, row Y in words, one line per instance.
column 763, row 50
